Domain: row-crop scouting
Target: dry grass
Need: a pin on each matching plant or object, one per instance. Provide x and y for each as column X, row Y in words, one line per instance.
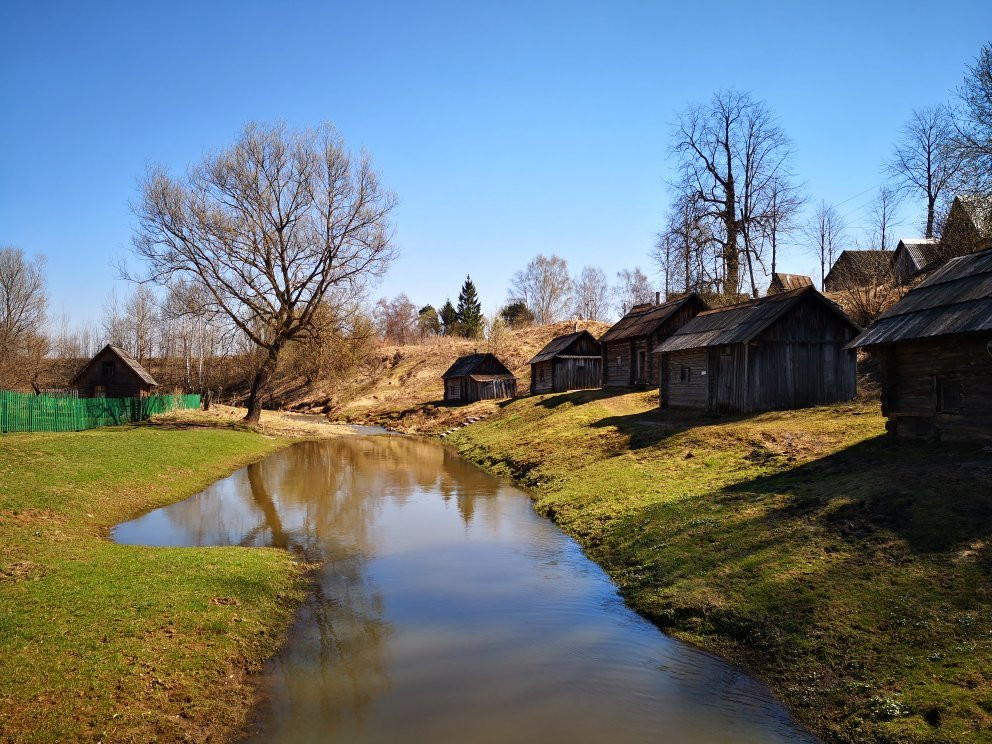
column 272, row 423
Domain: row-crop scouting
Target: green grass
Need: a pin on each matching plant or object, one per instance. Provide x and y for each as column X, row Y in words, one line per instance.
column 100, row 641
column 851, row 571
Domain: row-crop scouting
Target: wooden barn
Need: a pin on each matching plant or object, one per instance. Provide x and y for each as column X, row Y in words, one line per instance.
column 854, row 269
column 572, row 362
column 785, row 282
column 478, row 377
column 113, row 373
column 934, row 349
column 627, row 346
column 915, row 256
column 786, row 350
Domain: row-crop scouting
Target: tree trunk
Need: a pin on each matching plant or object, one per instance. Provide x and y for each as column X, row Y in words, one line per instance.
column 731, row 257
column 259, row 382
column 930, row 218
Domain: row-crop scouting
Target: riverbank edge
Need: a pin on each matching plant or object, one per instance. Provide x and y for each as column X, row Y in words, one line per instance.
column 224, row 710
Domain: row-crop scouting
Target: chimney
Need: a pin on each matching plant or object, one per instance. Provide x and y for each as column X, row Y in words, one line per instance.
column 657, row 298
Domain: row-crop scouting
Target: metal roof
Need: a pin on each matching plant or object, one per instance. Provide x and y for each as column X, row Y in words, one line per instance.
column 469, row 363
column 957, row 298
column 921, row 253
column 740, row 323
column 643, row 320
column 789, row 281
column 128, row 360
column 558, row 345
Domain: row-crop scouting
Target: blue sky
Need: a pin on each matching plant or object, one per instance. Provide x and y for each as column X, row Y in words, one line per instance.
column 507, row 129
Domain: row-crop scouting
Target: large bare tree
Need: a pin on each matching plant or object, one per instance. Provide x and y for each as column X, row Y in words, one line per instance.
column 545, row 287
column 825, row 234
column 881, row 217
column 926, row 161
column 268, row 227
column 23, row 306
column 732, row 158
column 592, row 294
column 632, row 288
column 973, row 142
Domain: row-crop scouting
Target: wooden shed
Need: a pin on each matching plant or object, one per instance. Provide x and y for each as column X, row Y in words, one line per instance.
column 915, row 256
column 572, row 362
column 785, row 350
column 113, row 373
column 627, row 346
column 784, row 282
column 854, row 269
column 478, row 377
column 934, row 349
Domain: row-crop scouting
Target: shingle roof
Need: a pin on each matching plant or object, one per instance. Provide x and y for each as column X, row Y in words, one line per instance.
column 469, row 363
column 128, row 360
column 957, row 298
column 855, row 267
column 789, row 281
column 739, row 323
column 979, row 209
column 921, row 253
column 642, row 320
column 558, row 345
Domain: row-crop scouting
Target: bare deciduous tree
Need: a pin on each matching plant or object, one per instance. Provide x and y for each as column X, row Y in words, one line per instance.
column 23, row 304
column 632, row 288
column 973, row 142
column 881, row 217
column 545, row 287
column 926, row 161
column 592, row 294
column 732, row 155
column 268, row 227
column 397, row 319
column 824, row 233
column 687, row 252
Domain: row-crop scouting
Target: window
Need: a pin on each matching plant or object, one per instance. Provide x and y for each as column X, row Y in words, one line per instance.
column 99, row 391
column 540, row 374
column 685, row 374
column 950, row 394
column 108, row 370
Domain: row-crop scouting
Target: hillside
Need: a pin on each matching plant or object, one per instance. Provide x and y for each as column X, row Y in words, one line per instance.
column 400, row 386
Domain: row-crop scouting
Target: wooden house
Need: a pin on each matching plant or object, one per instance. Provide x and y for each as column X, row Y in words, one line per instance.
column 786, row 350
column 854, row 269
column 113, row 373
column 934, row 349
column 478, row 377
column 785, row 282
column 627, row 346
column 915, row 256
column 572, row 362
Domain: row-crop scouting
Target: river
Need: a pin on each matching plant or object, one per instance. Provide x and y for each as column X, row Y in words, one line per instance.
column 447, row 610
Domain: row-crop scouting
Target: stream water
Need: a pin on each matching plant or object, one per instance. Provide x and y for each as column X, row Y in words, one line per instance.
column 447, row 610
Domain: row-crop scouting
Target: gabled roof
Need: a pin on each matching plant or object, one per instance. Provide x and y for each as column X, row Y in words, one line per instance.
column 559, row 345
column 740, row 323
column 979, row 210
column 855, row 267
column 128, row 360
column 919, row 254
column 957, row 298
column 785, row 282
column 470, row 364
column 643, row 320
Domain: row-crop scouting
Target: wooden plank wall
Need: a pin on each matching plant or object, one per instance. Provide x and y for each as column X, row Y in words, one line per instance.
column 577, row 374
column 616, row 356
column 542, row 377
column 695, row 392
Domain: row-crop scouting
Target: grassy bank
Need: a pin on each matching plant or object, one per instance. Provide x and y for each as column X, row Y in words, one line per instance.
column 108, row 642
column 850, row 571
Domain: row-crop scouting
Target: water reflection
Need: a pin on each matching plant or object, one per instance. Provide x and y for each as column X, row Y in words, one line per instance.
column 446, row 610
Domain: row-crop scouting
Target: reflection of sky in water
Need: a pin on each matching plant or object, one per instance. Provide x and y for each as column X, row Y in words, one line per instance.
column 447, row 610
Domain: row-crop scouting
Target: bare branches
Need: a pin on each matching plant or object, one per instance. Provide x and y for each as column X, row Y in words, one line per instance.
column 23, row 306
column 592, row 294
column 974, row 134
column 825, row 235
column 545, row 287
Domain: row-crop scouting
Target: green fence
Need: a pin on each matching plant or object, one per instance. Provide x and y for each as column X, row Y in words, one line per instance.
column 26, row 412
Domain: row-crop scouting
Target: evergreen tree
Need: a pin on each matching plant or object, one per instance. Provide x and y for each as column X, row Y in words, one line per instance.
column 469, row 310
column 449, row 319
column 517, row 315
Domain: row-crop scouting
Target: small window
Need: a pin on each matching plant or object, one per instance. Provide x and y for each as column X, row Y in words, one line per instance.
column 580, row 364
column 685, row 374
column 950, row 395
column 540, row 374
column 99, row 391
column 108, row 370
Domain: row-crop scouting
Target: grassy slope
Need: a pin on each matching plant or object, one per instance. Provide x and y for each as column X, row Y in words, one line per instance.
column 850, row 571
column 103, row 641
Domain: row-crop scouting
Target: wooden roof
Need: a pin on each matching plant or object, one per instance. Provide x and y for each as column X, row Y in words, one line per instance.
column 643, row 320
column 559, row 345
column 856, row 267
column 785, row 282
column 129, row 361
column 470, row 363
column 740, row 323
column 957, row 298
column 978, row 207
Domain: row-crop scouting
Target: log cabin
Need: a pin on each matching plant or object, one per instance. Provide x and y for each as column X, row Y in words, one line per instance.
column 934, row 350
column 478, row 377
column 113, row 373
column 571, row 362
column 786, row 350
column 627, row 346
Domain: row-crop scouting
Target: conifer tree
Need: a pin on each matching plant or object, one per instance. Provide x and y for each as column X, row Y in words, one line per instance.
column 469, row 310
column 449, row 319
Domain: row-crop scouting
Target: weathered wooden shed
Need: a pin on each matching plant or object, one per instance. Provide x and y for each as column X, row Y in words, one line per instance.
column 113, row 373
column 478, row 377
column 915, row 256
column 785, row 350
column 858, row 269
column 627, row 346
column 784, row 282
column 934, row 349
column 571, row 362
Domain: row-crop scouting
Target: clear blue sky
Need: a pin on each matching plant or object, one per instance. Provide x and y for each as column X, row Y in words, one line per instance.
column 507, row 129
